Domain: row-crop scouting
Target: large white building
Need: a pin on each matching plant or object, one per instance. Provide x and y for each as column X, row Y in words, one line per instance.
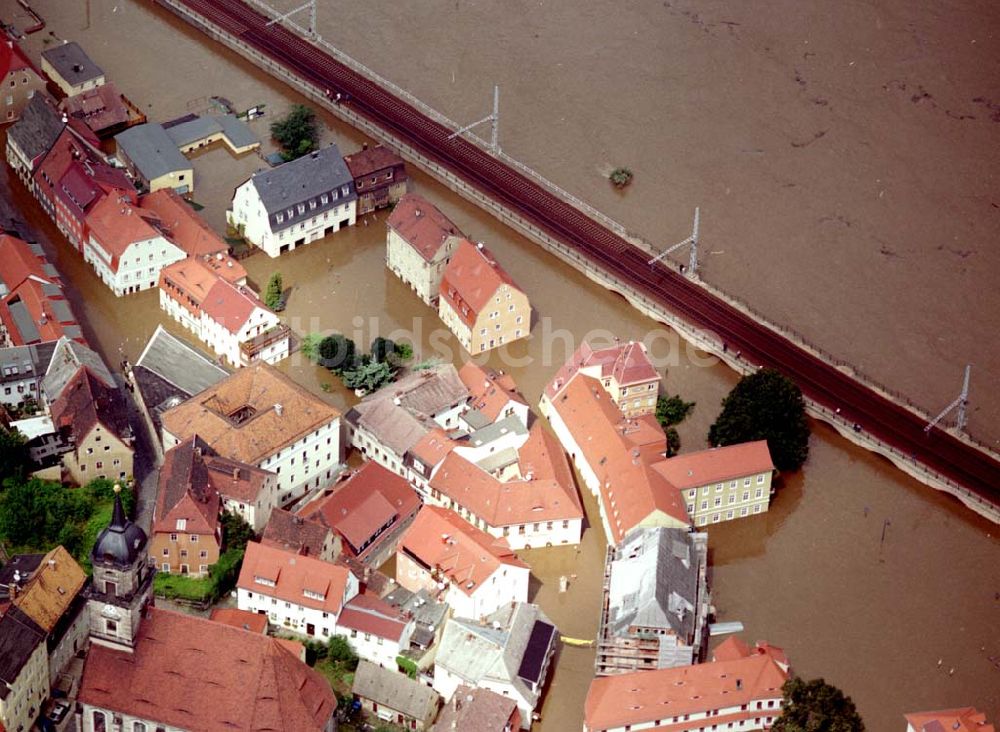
column 125, row 246
column 295, row 203
column 473, row 572
column 260, row 417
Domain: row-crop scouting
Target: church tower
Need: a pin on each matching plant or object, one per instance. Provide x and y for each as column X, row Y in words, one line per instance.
column 122, row 584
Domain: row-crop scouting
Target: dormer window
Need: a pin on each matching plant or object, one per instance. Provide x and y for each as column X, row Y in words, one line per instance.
column 334, row 195
column 181, row 524
column 302, row 208
column 281, row 217
column 312, row 595
column 324, row 199
column 263, row 581
column 312, row 205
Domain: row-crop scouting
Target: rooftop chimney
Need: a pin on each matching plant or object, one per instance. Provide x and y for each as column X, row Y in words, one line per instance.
column 278, row 409
column 236, row 473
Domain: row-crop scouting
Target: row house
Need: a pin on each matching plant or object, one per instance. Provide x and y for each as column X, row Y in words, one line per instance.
column 125, row 245
column 960, row 719
column 20, row 79
column 623, row 370
column 185, row 228
column 656, row 602
column 493, row 394
column 295, row 203
column 51, row 590
column 153, row 160
column 479, row 302
column 509, row 653
column 420, row 242
column 377, row 631
column 301, row 594
column 261, row 417
column 479, row 709
column 473, row 572
column 21, row 372
column 228, row 317
column 367, row 510
column 71, row 69
column 379, row 177
column 33, row 305
column 24, row 670
column 395, row 698
column 739, row 688
column 293, row 533
column 31, row 137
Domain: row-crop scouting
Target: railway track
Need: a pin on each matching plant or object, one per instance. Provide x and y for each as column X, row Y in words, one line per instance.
column 819, row 380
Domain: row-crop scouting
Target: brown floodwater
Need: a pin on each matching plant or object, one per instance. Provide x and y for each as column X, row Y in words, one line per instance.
column 874, row 239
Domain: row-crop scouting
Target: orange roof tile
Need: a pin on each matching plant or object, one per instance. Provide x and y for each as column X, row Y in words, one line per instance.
column 545, row 490
column 442, row 539
column 192, row 277
column 250, row 415
column 371, row 160
column 116, row 225
column 421, row 225
column 190, row 672
column 185, row 492
column 645, row 696
column 52, row 589
column 366, row 613
column 716, row 464
column 621, row 453
column 490, row 391
column 230, row 305
column 471, row 279
column 627, row 363
column 182, row 224
column 254, row 622
column 294, row 575
column 963, row 719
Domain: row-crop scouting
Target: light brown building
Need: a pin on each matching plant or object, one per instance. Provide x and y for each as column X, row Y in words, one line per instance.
column 21, row 80
column 479, row 302
column 624, row 371
column 419, row 245
column 379, row 177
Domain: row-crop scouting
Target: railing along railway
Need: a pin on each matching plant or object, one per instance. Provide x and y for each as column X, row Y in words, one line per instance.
column 602, row 251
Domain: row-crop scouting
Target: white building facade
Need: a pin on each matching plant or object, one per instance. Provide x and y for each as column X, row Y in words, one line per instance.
column 138, row 268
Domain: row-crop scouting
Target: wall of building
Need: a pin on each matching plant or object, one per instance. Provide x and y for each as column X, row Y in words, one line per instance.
column 423, row 277
column 759, row 716
column 26, row 695
column 14, row 392
column 180, row 552
column 731, row 499
column 138, row 268
column 258, row 512
column 73, row 640
column 381, row 651
column 226, row 342
column 505, row 318
column 18, row 88
column 290, row 616
column 128, row 722
column 305, row 464
column 98, row 454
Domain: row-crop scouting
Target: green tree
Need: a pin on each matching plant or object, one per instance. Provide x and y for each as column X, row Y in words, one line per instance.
column 274, row 291
column 765, row 405
column 236, row 532
column 336, row 353
column 103, row 489
column 14, row 459
column 382, row 349
column 816, row 706
column 368, row 375
column 671, row 411
column 342, row 652
column 404, row 351
column 296, row 132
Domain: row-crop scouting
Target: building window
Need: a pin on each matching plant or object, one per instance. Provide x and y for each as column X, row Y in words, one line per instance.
column 111, row 626
column 203, row 554
column 759, row 492
column 138, row 727
column 746, row 482
column 100, row 722
column 193, row 538
column 173, row 537
column 166, row 552
column 760, row 479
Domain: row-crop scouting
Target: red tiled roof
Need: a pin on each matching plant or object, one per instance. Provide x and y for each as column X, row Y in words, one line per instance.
column 294, row 575
column 18, row 262
column 85, row 401
column 254, row 622
column 235, row 480
column 185, row 491
column 716, row 464
column 190, row 672
column 627, row 363
column 471, row 279
column 372, row 160
column 230, row 305
column 12, row 58
column 293, row 533
column 733, row 648
column 620, row 452
column 358, row 507
column 645, row 696
column 116, row 225
column 100, row 108
column 549, row 495
column 421, row 225
column 433, row 447
column 490, row 390
column 963, row 719
column 441, row 538
column 366, row 613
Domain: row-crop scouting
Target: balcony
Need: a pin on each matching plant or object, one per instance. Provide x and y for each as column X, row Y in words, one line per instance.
column 251, row 348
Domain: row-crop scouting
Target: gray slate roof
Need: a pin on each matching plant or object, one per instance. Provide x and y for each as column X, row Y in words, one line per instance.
column 302, row 181
column 72, row 63
column 396, row 691
column 24, row 362
column 425, row 610
column 151, row 150
column 38, row 128
column 19, row 637
column 67, row 358
column 478, row 652
column 192, row 130
column 654, row 581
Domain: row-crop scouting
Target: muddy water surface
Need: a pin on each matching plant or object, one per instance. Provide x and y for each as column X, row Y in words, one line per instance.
column 813, row 575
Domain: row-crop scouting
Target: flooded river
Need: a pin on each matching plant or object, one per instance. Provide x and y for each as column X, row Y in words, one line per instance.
column 861, row 238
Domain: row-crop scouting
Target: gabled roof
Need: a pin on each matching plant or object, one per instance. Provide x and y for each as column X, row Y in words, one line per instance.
column 68, row 357
column 717, row 464
column 37, row 312
column 117, row 225
column 471, row 279
column 305, row 178
column 422, row 225
column 38, row 128
column 232, row 305
column 250, row 415
column 244, row 619
column 490, row 391
column 294, row 533
column 477, row 709
column 368, row 614
column 185, row 491
column 357, row 508
column 151, row 150
column 644, row 696
column 19, row 637
column 621, row 453
column 395, row 690
column 87, row 401
column 371, row 160
column 100, row 108
column 185, row 228
column 191, row 672
column 180, row 365
column 962, row 719
column 293, row 575
column 12, row 58
column 626, row 363
column 72, row 63
column 234, row 480
column 18, row 262
column 544, row 490
column 52, row 589
column 466, row 555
